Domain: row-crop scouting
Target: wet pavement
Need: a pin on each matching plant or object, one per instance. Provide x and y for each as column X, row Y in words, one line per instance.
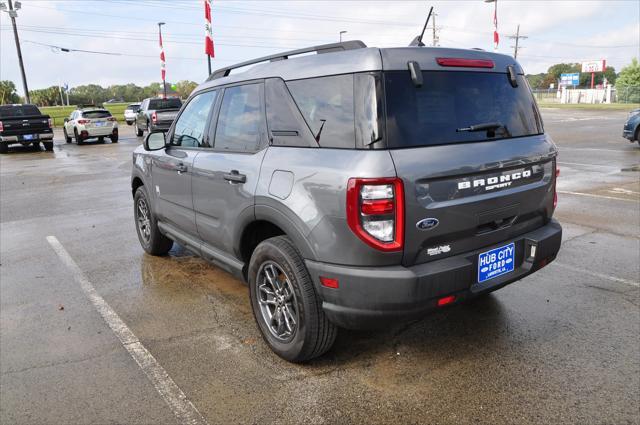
column 561, row 346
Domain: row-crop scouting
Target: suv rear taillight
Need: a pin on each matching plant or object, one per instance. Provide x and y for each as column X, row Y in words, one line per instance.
column 154, row 117
column 1, row 126
column 375, row 211
column 84, row 121
column 111, row 119
column 50, row 123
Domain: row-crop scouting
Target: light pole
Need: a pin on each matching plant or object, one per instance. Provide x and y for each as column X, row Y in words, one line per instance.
column 13, row 13
column 342, row 32
column 162, row 61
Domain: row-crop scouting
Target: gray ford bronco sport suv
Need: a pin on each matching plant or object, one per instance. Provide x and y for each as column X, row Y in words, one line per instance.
column 355, row 187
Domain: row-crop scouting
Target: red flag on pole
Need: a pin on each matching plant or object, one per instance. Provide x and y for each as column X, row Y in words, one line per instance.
column 208, row 41
column 162, row 62
column 496, row 37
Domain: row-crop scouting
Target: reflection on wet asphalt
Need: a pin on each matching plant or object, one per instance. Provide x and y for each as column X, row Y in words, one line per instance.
column 558, row 347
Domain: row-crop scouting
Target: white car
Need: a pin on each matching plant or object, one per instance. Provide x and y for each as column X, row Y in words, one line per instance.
column 89, row 123
column 130, row 113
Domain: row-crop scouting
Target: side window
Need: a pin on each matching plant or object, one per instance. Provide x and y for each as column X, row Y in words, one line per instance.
column 327, row 105
column 286, row 125
column 190, row 126
column 241, row 119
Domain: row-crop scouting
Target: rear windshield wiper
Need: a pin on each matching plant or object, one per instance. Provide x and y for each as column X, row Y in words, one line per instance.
column 483, row 126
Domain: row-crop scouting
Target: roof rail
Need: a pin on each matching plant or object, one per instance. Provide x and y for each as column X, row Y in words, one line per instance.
column 324, row 48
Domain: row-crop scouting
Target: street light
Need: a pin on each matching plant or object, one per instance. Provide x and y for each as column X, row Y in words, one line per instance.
column 13, row 14
column 342, row 32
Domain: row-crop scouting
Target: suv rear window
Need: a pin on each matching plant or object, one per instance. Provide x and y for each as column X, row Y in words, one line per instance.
column 96, row 114
column 9, row 111
column 448, row 102
column 170, row 103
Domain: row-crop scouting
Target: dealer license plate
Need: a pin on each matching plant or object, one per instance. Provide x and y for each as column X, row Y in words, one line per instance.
column 496, row 262
column 27, row 137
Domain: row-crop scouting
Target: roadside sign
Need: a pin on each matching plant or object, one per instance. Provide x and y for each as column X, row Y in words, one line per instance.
column 570, row 79
column 593, row 66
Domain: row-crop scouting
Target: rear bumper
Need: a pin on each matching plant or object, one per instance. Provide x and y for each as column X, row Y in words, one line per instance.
column 37, row 137
column 160, row 126
column 87, row 133
column 370, row 297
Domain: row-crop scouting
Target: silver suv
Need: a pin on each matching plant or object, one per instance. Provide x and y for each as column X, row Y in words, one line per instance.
column 357, row 187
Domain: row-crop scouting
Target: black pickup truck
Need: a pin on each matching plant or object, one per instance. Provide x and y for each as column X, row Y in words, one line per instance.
column 26, row 125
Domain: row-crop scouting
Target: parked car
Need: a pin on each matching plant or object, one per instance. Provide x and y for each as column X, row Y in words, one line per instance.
column 130, row 113
column 357, row 188
column 156, row 114
column 89, row 123
column 631, row 130
column 25, row 125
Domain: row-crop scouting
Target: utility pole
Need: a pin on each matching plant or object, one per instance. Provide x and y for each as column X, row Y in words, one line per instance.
column 517, row 38
column 13, row 14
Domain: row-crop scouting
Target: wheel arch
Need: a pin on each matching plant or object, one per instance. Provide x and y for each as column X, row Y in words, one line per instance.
column 135, row 184
column 268, row 223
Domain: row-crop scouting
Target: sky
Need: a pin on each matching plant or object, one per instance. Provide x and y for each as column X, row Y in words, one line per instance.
column 558, row 31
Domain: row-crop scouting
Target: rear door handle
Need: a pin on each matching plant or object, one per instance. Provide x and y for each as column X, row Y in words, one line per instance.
column 235, row 177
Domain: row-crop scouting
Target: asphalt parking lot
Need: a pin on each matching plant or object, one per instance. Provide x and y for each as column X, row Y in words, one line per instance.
column 561, row 346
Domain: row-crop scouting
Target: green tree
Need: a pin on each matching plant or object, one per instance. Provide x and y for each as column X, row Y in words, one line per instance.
column 629, row 75
column 536, row 80
column 185, row 87
column 46, row 97
column 8, row 92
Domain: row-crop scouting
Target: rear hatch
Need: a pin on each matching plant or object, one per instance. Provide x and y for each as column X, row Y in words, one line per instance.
column 20, row 120
column 98, row 118
column 166, row 110
column 476, row 165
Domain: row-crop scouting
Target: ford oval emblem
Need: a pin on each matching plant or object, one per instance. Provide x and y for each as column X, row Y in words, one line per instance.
column 427, row 223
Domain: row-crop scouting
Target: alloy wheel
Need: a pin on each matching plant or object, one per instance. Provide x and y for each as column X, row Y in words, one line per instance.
column 277, row 301
column 143, row 219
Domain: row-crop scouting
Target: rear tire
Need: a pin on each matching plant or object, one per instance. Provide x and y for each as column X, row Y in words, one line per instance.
column 152, row 241
column 66, row 136
column 77, row 137
column 4, row 148
column 48, row 146
column 139, row 132
column 114, row 139
column 312, row 334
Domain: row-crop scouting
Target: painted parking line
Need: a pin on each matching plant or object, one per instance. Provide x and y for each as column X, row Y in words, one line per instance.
column 596, row 274
column 592, row 195
column 180, row 405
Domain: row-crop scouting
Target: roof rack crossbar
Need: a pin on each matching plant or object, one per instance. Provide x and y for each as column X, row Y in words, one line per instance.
column 324, row 48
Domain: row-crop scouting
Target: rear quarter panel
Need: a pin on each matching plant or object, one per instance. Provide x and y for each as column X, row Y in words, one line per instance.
column 313, row 211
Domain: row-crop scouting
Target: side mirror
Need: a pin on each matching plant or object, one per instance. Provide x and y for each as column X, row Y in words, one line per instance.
column 66, row 119
column 155, row 141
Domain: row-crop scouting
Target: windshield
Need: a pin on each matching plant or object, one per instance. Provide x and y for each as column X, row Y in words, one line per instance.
column 171, row 103
column 96, row 114
column 9, row 111
column 457, row 107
